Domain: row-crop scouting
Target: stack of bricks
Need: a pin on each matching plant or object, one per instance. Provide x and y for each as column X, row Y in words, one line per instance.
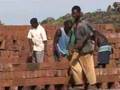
column 113, row 38
column 14, row 55
column 109, row 76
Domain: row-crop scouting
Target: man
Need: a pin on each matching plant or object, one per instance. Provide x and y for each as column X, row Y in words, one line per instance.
column 37, row 40
column 61, row 40
column 104, row 49
column 82, row 63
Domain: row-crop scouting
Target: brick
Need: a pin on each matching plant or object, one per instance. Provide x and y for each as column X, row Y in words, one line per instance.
column 2, row 88
column 14, row 88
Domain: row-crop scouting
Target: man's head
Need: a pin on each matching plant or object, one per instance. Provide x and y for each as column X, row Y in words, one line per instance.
column 34, row 22
column 76, row 12
column 68, row 24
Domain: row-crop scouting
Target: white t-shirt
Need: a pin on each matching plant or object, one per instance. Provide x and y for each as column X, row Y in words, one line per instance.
column 37, row 35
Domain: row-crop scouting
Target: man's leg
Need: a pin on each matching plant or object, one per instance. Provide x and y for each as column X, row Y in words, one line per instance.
column 76, row 69
column 34, row 57
column 39, row 56
column 87, row 64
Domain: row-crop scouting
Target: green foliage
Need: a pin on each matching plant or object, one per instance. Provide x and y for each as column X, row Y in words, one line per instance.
column 97, row 17
column 48, row 20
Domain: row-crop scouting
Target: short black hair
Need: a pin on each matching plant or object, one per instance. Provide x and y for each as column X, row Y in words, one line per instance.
column 33, row 21
column 76, row 8
column 68, row 22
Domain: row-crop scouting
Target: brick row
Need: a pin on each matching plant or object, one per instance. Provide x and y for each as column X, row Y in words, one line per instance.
column 32, row 74
column 33, row 81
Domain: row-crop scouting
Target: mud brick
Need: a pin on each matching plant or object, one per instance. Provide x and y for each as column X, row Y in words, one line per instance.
column 6, row 67
column 113, row 56
column 118, row 45
column 46, row 81
column 107, row 78
column 13, row 88
column 60, row 73
column 30, row 74
column 2, row 88
column 9, row 60
column 107, row 75
column 97, row 71
column 26, row 88
column 50, row 59
column 7, row 75
column 112, row 64
column 1, row 67
column 5, row 83
column 63, row 64
column 14, row 47
column 18, row 82
column 19, row 75
column 50, row 37
column 50, row 52
column 118, row 70
column 117, row 40
column 40, row 87
column 112, row 71
column 112, row 40
column 5, row 53
column 45, row 73
column 51, row 87
column 31, row 66
column 117, row 56
column 19, row 67
column 115, row 85
column 13, row 59
column 22, row 60
column 2, row 44
column 33, row 74
column 104, row 86
column 115, row 50
column 113, row 46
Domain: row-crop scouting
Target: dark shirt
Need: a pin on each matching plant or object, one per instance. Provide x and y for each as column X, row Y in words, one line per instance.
column 83, row 37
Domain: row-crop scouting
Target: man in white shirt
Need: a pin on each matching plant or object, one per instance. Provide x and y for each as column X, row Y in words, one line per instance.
column 38, row 41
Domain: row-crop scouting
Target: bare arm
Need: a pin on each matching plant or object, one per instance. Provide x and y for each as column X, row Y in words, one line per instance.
column 30, row 44
column 56, row 38
column 45, row 43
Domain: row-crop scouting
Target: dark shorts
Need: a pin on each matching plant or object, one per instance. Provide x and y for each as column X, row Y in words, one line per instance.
column 104, row 57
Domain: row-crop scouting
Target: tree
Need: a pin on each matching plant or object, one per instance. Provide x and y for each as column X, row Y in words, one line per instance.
column 109, row 9
column 115, row 5
column 48, row 20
